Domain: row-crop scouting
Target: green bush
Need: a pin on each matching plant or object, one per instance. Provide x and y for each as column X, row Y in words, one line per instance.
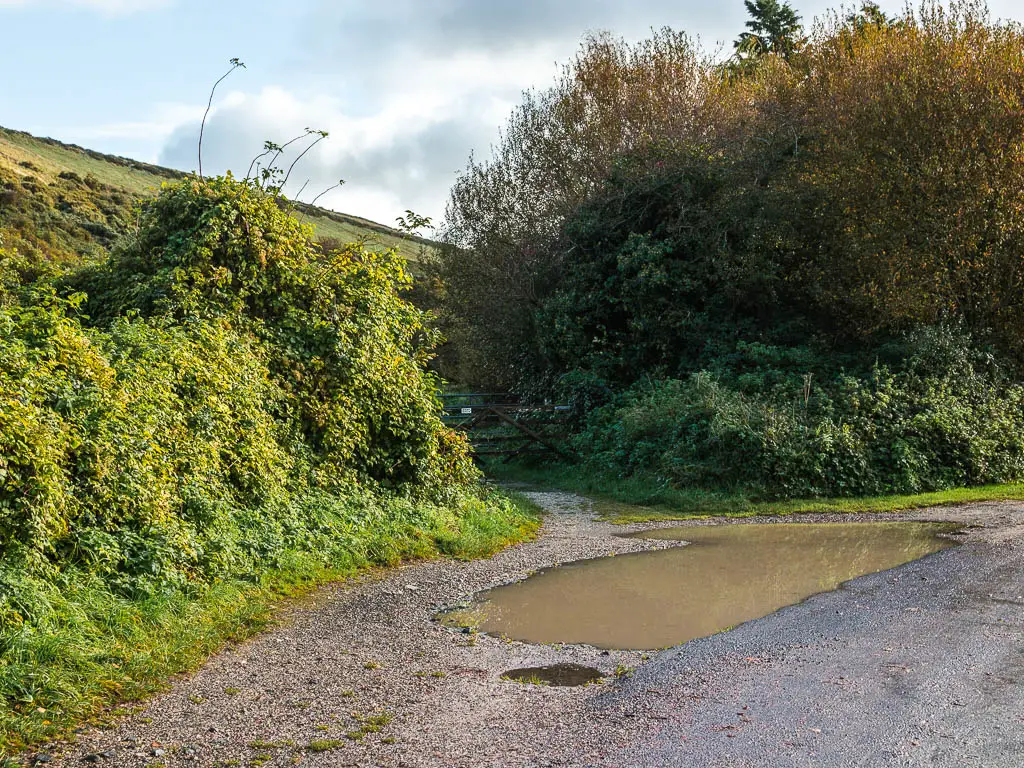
column 771, row 435
column 220, row 404
column 231, row 369
column 662, row 276
column 345, row 349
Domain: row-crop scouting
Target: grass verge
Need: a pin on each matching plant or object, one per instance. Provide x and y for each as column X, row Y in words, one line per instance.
column 634, row 500
column 101, row 649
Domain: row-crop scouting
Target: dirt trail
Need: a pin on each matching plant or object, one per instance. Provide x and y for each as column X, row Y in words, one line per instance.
column 916, row 666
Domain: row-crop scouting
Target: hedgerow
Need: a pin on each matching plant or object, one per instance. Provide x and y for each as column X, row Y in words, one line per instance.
column 767, row 436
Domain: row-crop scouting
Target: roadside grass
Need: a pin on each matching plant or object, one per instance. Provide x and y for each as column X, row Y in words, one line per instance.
column 636, row 499
column 104, row 649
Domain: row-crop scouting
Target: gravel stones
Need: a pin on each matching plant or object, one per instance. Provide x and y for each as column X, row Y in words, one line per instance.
column 363, row 672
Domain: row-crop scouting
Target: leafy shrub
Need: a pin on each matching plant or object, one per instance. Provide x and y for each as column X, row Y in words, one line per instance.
column 773, row 436
column 345, row 349
column 231, row 371
column 658, row 276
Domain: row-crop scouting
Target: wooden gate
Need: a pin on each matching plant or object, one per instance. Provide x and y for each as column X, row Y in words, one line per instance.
column 499, row 425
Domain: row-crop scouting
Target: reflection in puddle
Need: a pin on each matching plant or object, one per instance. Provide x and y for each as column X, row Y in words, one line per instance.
column 555, row 674
column 727, row 575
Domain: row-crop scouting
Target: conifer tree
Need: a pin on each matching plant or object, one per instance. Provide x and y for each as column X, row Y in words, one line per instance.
column 773, row 27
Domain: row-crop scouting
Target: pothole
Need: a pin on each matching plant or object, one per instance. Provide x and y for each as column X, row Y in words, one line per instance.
column 724, row 576
column 555, row 674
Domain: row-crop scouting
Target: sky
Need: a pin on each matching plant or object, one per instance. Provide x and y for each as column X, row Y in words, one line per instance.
column 407, row 89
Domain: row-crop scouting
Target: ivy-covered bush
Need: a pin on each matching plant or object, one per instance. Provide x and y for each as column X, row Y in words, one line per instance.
column 345, row 349
column 187, row 411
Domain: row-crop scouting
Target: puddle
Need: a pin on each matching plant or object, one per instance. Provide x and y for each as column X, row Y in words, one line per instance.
column 729, row 574
column 555, row 674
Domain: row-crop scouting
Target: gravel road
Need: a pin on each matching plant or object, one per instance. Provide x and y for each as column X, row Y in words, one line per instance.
column 918, row 666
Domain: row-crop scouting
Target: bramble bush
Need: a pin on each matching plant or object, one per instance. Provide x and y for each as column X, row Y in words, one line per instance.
column 164, row 430
column 221, row 400
column 345, row 351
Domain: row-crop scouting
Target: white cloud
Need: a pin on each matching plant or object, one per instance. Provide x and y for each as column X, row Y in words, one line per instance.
column 419, row 86
column 400, row 151
column 401, row 156
column 408, row 89
column 158, row 126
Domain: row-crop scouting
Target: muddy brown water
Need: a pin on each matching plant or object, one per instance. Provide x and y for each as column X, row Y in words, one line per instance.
column 555, row 674
column 726, row 575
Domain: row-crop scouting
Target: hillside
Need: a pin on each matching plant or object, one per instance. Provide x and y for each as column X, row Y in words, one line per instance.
column 61, row 203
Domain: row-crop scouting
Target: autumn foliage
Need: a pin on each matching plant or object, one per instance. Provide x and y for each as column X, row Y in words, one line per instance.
column 798, row 228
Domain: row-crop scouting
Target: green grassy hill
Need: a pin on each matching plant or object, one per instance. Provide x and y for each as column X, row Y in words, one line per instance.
column 62, row 203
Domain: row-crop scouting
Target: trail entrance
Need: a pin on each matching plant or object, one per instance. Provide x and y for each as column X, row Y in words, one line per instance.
column 498, row 424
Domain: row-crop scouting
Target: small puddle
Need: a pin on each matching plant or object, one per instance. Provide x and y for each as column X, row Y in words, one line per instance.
column 555, row 674
column 727, row 575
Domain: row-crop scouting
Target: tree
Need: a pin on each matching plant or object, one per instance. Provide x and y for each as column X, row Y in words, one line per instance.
column 911, row 173
column 774, row 28
column 555, row 150
column 870, row 186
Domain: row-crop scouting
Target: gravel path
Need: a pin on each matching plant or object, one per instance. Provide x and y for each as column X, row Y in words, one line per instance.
column 922, row 665
column 916, row 666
